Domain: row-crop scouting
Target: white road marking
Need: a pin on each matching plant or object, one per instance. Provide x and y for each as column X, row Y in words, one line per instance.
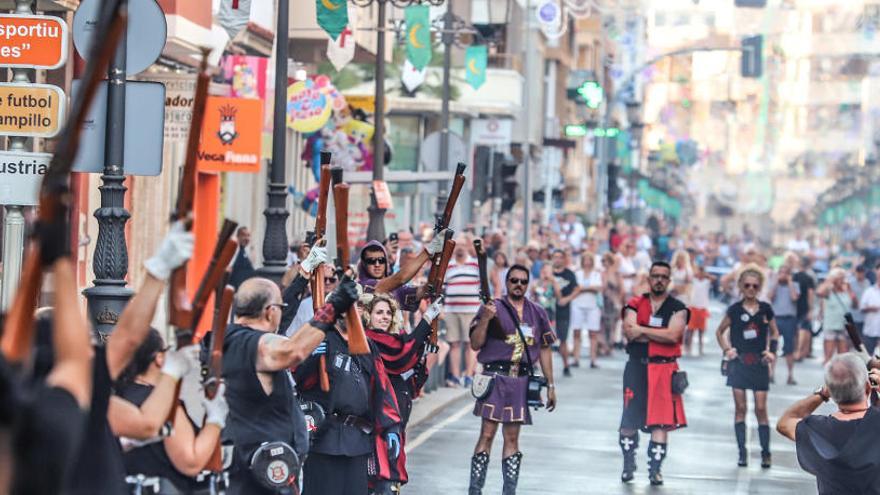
column 425, row 435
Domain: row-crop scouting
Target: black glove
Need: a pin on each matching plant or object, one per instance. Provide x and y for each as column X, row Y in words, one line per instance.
column 344, row 296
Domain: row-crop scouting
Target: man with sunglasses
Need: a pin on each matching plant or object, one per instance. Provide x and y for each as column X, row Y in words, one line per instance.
column 503, row 331
column 259, row 388
column 375, row 274
column 653, row 324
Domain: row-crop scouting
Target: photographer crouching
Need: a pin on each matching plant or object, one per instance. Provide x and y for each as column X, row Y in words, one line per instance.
column 840, row 448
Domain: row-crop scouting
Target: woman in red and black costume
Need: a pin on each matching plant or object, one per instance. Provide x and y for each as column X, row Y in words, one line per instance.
column 654, row 324
column 402, row 355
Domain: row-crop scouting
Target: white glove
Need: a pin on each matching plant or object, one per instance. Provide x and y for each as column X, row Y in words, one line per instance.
column 434, row 310
column 317, row 256
column 179, row 362
column 175, row 250
column 216, row 409
column 436, row 244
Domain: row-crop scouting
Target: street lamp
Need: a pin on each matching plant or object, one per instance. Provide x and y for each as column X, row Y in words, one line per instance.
column 376, row 227
column 275, row 238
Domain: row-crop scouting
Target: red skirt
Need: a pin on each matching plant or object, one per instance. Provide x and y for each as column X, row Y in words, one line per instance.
column 665, row 410
column 699, row 319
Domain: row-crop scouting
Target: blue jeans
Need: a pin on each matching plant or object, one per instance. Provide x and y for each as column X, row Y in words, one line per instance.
column 870, row 344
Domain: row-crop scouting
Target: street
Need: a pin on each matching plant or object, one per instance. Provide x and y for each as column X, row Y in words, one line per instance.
column 574, row 450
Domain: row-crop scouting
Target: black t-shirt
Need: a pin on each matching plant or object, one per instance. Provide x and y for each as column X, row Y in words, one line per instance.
column 152, row 460
column 748, row 332
column 805, row 283
column 567, row 283
column 99, row 467
column 254, row 417
column 639, row 350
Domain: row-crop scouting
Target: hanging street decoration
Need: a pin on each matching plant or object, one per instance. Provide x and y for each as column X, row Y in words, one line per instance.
column 341, row 50
column 418, row 35
column 475, row 60
column 411, row 77
column 332, row 16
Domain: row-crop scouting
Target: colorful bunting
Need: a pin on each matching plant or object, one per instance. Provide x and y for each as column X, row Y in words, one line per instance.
column 476, row 57
column 418, row 35
column 332, row 16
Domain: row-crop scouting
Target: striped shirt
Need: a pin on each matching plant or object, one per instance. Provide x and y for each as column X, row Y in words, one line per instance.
column 462, row 287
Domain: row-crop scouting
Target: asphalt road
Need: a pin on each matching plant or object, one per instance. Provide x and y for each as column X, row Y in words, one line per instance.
column 574, row 449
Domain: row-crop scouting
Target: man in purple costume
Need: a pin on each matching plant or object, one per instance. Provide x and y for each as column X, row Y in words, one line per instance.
column 374, row 272
column 502, row 353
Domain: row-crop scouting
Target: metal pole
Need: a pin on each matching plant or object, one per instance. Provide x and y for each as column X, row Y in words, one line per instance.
column 448, row 37
column 527, row 145
column 275, row 239
column 109, row 295
column 376, row 227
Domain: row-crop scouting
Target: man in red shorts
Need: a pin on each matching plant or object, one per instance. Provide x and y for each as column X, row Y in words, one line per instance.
column 654, row 324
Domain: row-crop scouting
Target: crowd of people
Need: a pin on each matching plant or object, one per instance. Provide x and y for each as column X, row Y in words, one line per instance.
column 308, row 403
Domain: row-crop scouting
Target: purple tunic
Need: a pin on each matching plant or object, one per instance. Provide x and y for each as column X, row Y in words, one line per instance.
column 405, row 295
column 506, row 402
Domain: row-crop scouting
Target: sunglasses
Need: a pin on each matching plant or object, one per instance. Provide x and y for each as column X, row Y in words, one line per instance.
column 329, row 280
column 277, row 305
column 518, row 281
column 375, row 261
column 660, row 277
column 751, row 286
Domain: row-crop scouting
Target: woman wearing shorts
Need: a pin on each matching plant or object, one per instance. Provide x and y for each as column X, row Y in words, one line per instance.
column 700, row 287
column 748, row 337
column 838, row 299
column 585, row 312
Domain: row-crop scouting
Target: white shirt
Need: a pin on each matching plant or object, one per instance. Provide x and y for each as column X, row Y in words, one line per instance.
column 588, row 299
column 871, row 297
column 798, row 246
column 628, row 272
column 700, row 292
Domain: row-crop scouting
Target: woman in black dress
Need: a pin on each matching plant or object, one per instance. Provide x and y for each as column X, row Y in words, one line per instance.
column 749, row 337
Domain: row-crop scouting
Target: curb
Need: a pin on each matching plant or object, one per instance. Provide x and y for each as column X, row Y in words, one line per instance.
column 435, row 406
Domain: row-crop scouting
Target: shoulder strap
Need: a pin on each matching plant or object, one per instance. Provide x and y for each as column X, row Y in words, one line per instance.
column 522, row 338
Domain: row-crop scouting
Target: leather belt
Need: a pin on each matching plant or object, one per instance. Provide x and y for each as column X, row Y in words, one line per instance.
column 658, row 360
column 505, row 368
column 354, row 421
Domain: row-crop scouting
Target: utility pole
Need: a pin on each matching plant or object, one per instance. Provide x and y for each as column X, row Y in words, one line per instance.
column 527, row 145
column 447, row 38
column 275, row 239
column 109, row 295
column 376, row 227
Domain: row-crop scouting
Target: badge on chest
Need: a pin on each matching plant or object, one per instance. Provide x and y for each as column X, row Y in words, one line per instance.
column 655, row 322
column 527, row 331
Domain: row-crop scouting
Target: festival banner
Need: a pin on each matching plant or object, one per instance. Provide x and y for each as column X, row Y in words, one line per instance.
column 231, row 138
column 418, row 35
column 476, row 58
column 332, row 16
column 341, row 50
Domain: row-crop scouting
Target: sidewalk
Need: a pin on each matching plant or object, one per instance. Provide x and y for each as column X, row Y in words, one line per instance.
column 432, row 403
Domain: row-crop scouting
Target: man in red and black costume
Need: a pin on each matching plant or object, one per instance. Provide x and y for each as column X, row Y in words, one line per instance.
column 653, row 324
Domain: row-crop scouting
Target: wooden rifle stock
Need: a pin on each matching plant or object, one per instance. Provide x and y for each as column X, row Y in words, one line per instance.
column 482, row 262
column 180, row 311
column 18, row 326
column 457, row 185
column 357, row 339
column 437, row 285
column 224, row 251
column 317, row 281
column 222, row 307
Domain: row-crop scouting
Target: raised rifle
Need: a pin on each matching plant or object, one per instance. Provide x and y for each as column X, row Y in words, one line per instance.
column 443, row 223
column 861, row 350
column 482, row 262
column 436, row 279
column 18, row 326
column 213, row 373
column 357, row 339
column 317, row 281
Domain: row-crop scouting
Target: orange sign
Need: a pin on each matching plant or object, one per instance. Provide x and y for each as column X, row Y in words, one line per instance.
column 38, row 41
column 30, row 109
column 231, row 136
column 383, row 194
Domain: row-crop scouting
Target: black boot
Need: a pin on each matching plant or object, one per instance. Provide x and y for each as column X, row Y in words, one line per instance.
column 656, row 454
column 479, row 465
column 764, row 436
column 629, row 446
column 510, row 472
column 740, row 429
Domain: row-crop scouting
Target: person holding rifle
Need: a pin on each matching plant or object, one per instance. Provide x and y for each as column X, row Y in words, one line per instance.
column 653, row 324
column 749, row 339
column 402, row 354
column 172, row 464
column 839, row 449
column 510, row 333
column 258, row 386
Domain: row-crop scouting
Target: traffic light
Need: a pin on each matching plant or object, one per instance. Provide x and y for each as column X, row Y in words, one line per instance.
column 752, row 61
column 614, row 191
column 509, row 185
column 583, row 87
column 751, row 3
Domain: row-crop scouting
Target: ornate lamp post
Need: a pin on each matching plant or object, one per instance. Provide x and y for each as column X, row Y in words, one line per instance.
column 376, row 228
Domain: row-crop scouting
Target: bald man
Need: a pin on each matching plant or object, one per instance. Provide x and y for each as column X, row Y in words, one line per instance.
column 258, row 386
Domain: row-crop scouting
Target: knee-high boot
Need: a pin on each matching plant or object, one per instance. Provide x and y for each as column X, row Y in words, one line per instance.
column 479, row 465
column 628, row 446
column 510, row 472
column 656, row 454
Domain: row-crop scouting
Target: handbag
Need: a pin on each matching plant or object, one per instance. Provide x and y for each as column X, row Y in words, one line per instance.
column 679, row 382
column 482, row 386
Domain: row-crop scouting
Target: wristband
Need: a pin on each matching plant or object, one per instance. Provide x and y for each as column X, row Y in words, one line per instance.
column 774, row 346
